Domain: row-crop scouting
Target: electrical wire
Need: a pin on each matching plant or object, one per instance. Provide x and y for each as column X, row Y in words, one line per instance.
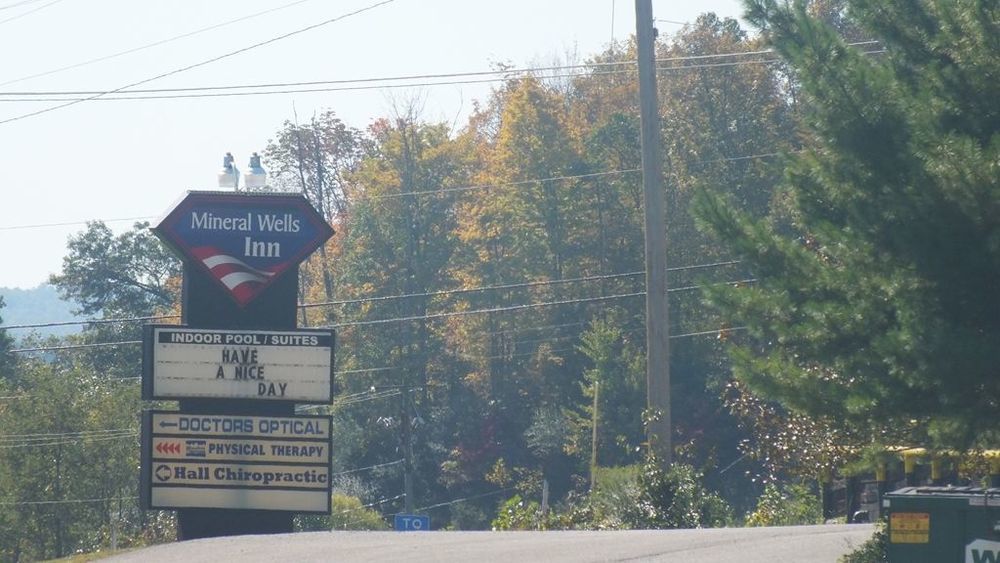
column 150, row 45
column 400, row 319
column 464, row 499
column 16, row 4
column 367, row 299
column 470, row 290
column 29, row 12
column 200, row 63
column 427, row 192
column 5, row 437
column 378, row 466
column 69, row 441
column 127, row 96
column 406, row 77
column 507, row 72
column 67, row 501
column 70, row 223
column 74, row 346
column 483, row 311
column 395, row 195
column 90, row 321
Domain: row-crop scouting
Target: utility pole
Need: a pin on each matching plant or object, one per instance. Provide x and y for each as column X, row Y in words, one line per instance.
column 593, row 437
column 658, row 432
column 406, row 436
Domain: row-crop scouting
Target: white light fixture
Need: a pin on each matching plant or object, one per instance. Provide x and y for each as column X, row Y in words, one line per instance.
column 229, row 176
column 257, row 176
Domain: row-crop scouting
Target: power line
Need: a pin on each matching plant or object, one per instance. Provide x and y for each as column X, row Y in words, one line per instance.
column 508, row 184
column 68, row 441
column 67, row 501
column 70, row 223
column 483, row 311
column 464, row 499
column 426, row 192
column 201, row 63
column 470, row 290
column 74, row 346
column 385, row 196
column 90, row 321
column 29, row 12
column 63, row 434
column 506, row 73
column 126, row 96
column 406, row 77
column 511, row 308
column 413, row 318
column 359, row 300
column 517, row 285
column 16, row 4
column 378, row 466
column 149, row 45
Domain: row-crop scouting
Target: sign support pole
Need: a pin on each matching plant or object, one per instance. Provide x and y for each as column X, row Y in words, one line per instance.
column 205, row 305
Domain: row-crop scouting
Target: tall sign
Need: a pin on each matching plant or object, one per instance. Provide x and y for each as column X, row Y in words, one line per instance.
column 235, row 458
column 243, row 241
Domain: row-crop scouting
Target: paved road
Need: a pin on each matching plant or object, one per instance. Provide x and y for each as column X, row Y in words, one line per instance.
column 799, row 544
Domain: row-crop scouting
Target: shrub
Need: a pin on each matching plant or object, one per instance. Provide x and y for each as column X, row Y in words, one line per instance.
column 789, row 505
column 872, row 551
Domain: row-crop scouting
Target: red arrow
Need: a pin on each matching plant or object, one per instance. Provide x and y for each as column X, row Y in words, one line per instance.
column 167, row 448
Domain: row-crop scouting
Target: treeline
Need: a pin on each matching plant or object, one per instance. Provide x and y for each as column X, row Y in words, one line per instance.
column 486, row 287
column 486, row 282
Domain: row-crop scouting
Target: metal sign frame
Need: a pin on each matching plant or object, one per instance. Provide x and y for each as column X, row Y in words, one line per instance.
column 149, row 377
column 241, row 494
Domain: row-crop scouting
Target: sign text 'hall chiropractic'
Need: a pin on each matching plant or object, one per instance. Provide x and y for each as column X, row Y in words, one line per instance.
column 238, row 364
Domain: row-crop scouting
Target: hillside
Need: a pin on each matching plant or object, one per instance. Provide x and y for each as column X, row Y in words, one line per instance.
column 37, row 305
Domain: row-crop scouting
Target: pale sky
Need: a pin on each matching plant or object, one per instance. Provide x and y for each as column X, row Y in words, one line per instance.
column 122, row 159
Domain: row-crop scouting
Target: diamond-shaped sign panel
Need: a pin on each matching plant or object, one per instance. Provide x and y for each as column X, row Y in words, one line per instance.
column 243, row 241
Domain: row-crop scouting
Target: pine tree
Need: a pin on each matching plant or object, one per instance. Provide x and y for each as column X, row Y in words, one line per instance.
column 876, row 301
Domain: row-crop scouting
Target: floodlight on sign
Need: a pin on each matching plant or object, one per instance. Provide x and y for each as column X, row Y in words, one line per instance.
column 257, row 176
column 229, row 176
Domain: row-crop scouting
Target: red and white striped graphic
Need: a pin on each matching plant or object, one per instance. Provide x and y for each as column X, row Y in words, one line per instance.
column 243, row 280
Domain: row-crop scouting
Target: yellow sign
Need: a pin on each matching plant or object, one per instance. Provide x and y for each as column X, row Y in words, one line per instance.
column 909, row 527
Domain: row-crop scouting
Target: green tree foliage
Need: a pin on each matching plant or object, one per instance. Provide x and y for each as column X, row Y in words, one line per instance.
column 112, row 274
column 131, row 274
column 875, row 302
column 436, row 226
column 786, row 505
column 647, row 496
column 69, row 437
column 875, row 550
column 619, row 377
column 346, row 513
column 315, row 160
column 7, row 360
column 398, row 240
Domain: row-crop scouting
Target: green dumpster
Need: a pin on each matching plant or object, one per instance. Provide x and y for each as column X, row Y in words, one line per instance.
column 943, row 525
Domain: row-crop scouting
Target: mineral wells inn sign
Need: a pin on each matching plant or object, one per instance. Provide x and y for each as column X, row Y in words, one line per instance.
column 243, row 241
